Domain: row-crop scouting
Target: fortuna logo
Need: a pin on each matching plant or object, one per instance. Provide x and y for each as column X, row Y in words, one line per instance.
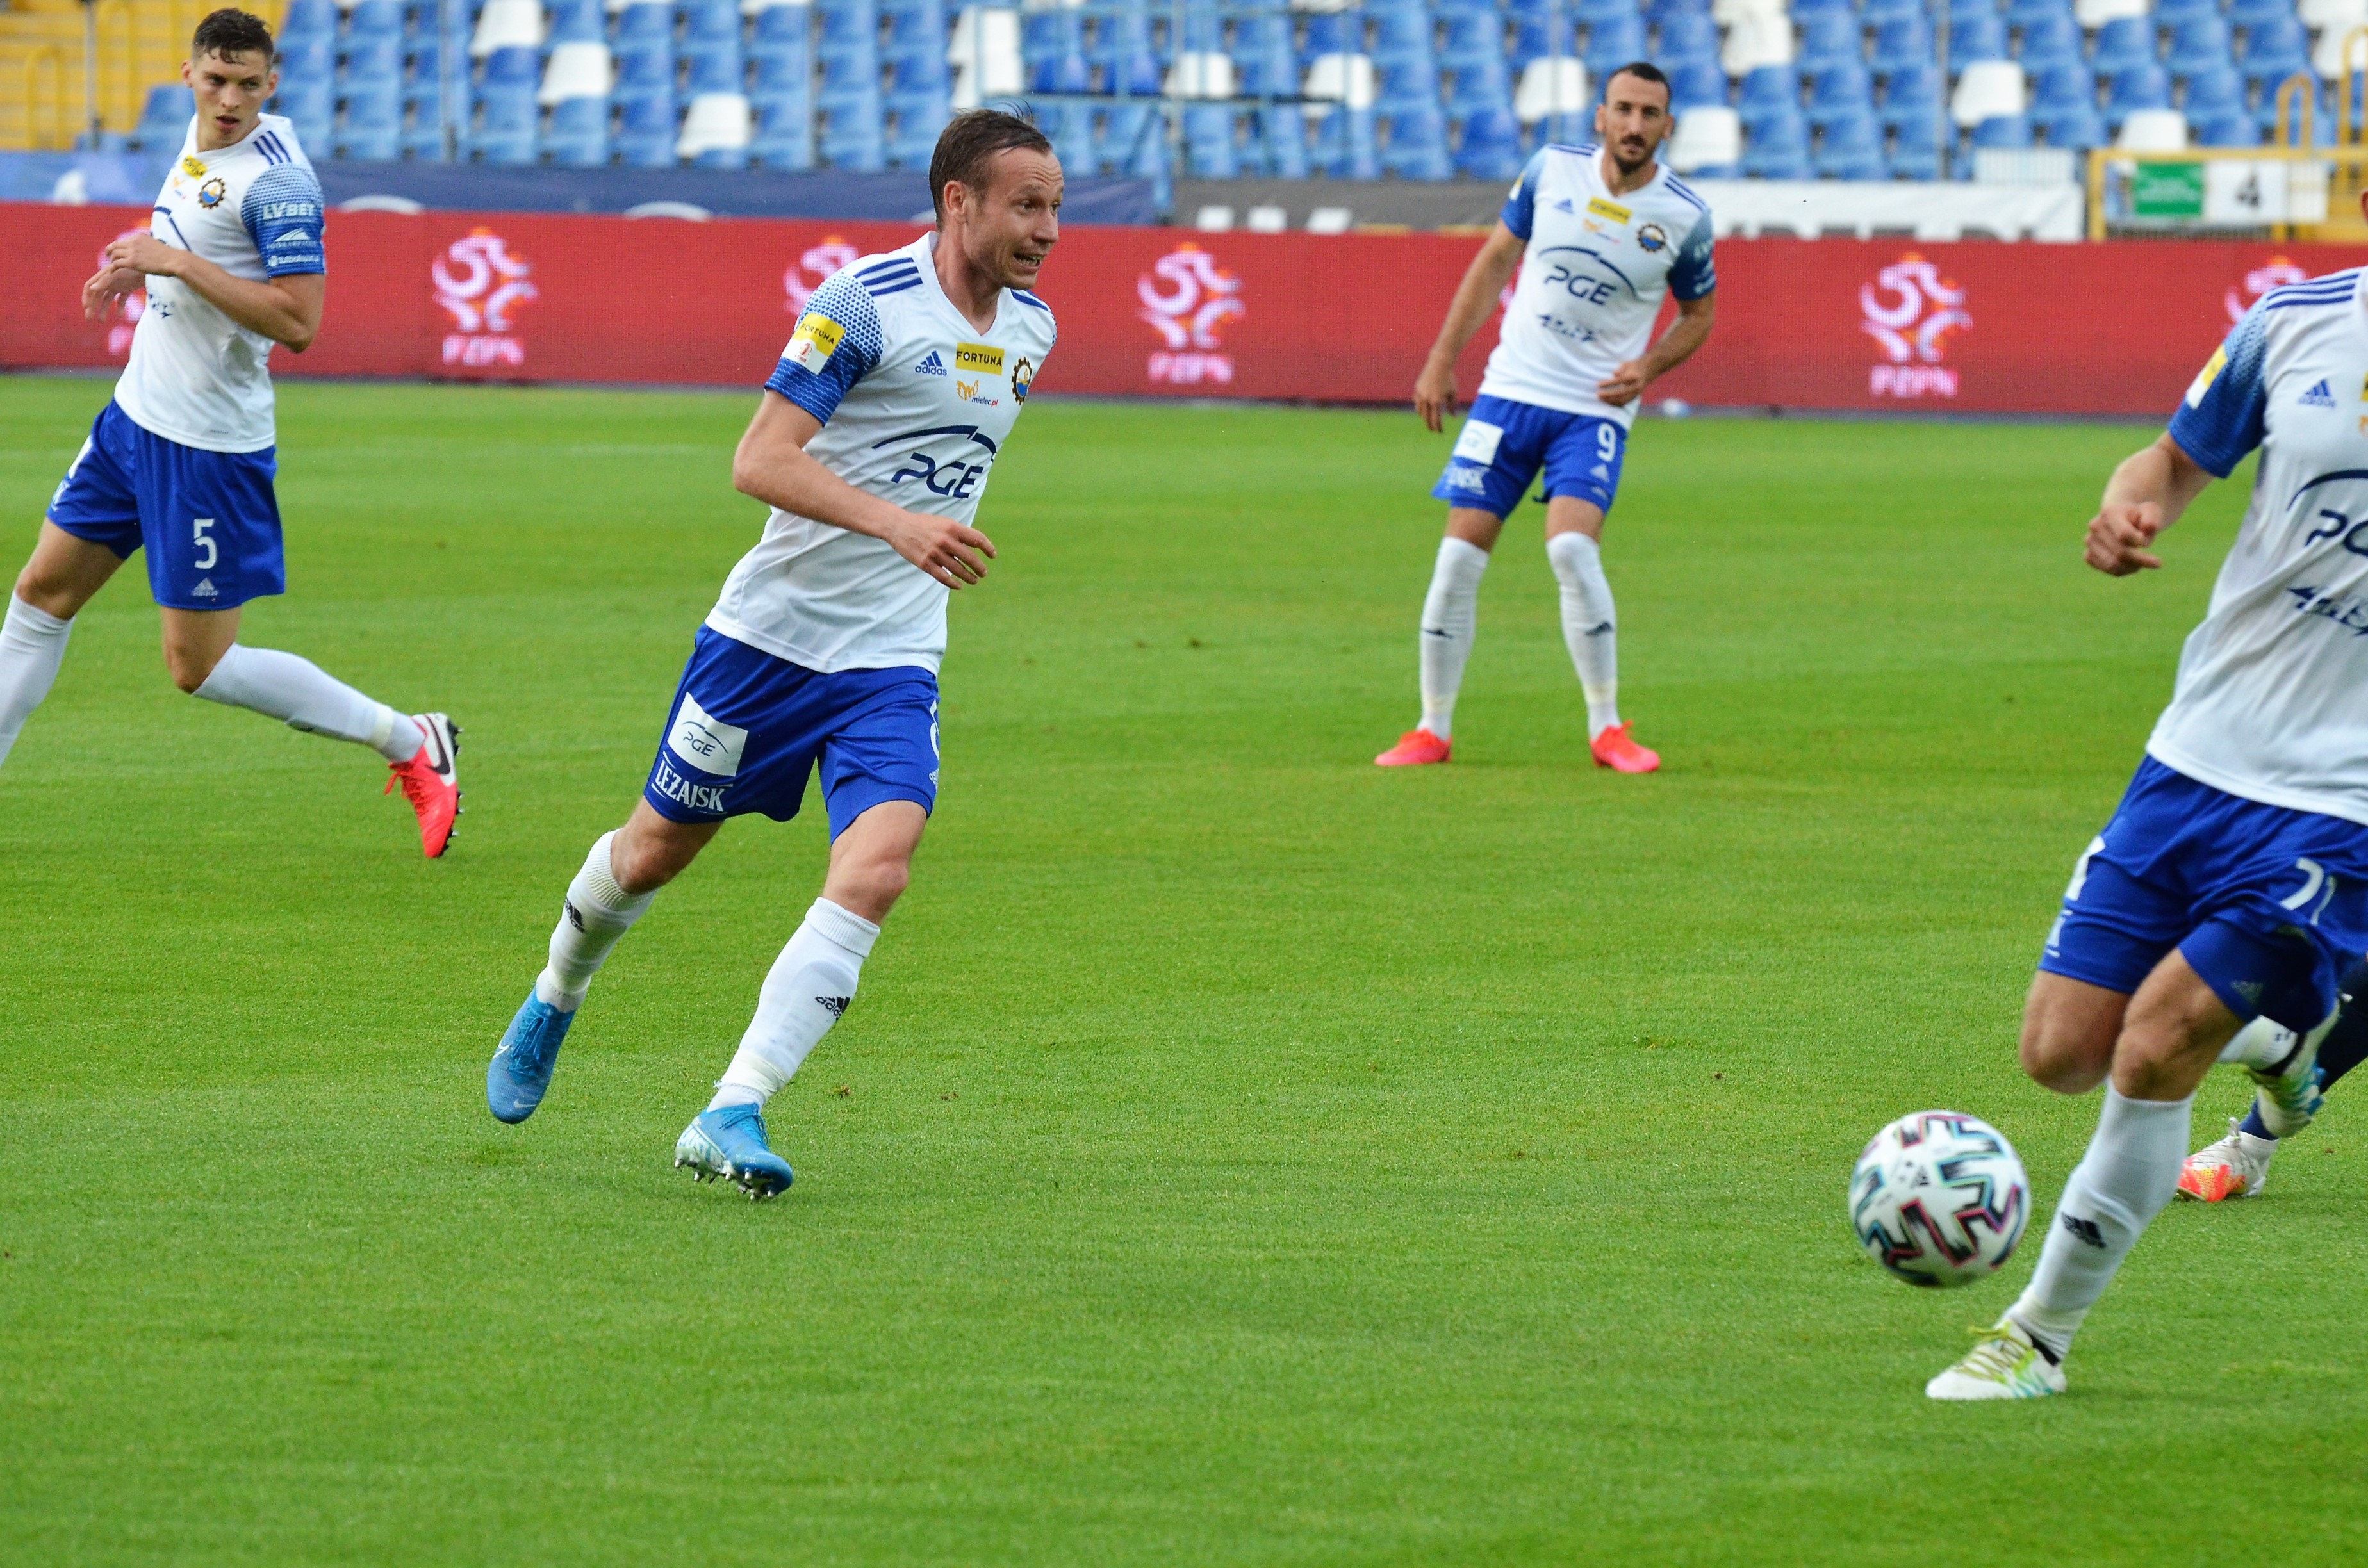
column 834, row 1005
column 1915, row 329
column 2318, row 397
column 932, row 366
column 478, row 283
column 205, row 589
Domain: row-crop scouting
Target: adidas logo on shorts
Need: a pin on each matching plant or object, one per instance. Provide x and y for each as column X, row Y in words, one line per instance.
column 205, row 589
column 932, row 366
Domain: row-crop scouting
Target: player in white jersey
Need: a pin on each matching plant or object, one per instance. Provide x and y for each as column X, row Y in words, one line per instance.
column 1599, row 236
column 181, row 461
column 2232, row 882
column 872, row 444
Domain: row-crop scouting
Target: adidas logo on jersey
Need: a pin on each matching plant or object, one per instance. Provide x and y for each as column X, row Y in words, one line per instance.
column 2319, row 397
column 1565, row 206
column 205, row 589
column 932, row 366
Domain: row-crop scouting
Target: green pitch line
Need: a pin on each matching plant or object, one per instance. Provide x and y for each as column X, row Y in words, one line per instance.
column 1239, row 1154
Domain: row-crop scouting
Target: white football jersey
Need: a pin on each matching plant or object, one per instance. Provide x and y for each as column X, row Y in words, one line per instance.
column 1592, row 278
column 915, row 404
column 253, row 209
column 2271, row 702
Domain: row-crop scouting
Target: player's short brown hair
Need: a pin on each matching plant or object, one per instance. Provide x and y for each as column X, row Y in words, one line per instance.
column 968, row 145
column 1643, row 71
column 227, row 32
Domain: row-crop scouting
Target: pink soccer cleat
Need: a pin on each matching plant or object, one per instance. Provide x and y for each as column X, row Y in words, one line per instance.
column 431, row 782
column 1414, row 748
column 1617, row 750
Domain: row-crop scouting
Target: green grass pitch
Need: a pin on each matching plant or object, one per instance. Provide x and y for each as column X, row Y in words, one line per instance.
column 1237, row 1155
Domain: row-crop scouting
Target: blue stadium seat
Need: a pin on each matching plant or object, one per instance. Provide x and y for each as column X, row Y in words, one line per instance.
column 782, row 80
column 2170, row 13
column 164, row 117
column 1490, row 145
column 510, row 68
column 1976, row 35
column 1408, row 84
column 647, row 131
column 378, row 58
column 423, row 77
column 2215, row 95
column 1901, row 45
column 2022, row 14
column 1210, row 151
column 1071, row 128
column 1474, row 38
column 917, row 80
column 1400, row 32
column 1658, row 11
column 1771, row 93
column 1413, row 145
column 1696, row 85
column 849, row 134
column 2199, row 44
column 2122, row 43
column 784, row 137
column 848, row 83
column 2079, row 129
column 1914, row 156
column 1054, row 45
column 1777, row 148
column 1331, row 32
column 1911, row 98
column 2235, row 129
column 308, row 18
column 578, row 137
column 2140, row 87
column 1589, row 13
column 2052, row 38
column 2003, row 130
column 578, row 21
column 2064, row 88
column 1803, row 9
column 717, row 69
column 374, row 19
column 1839, row 93
column 1879, row 12
column 505, row 127
column 645, row 74
column 1611, row 44
column 312, row 105
column 2275, row 50
column 649, row 22
column 312, row 55
column 712, row 35
column 1537, row 37
column 1852, row 148
column 2253, row 13
column 1829, row 39
column 1687, row 36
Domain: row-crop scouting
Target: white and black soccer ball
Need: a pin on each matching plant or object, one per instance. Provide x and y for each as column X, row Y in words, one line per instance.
column 1939, row 1198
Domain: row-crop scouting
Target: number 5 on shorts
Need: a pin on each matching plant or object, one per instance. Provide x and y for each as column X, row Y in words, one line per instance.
column 208, row 553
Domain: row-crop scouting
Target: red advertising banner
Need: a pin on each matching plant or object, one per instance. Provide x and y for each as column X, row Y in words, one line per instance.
column 1982, row 327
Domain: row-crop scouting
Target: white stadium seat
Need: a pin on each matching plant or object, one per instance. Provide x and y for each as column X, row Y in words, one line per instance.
column 2095, row 13
column 749, row 7
column 1707, row 138
column 984, row 53
column 507, row 23
column 1338, row 79
column 1988, row 89
column 576, row 71
column 2154, row 131
column 715, row 122
column 1727, row 13
column 1553, row 86
column 1756, row 42
column 2329, row 57
column 1202, row 74
column 2337, row 15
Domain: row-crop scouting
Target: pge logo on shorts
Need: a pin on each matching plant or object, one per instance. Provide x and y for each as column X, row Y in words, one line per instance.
column 479, row 283
column 1914, row 325
column 1188, row 296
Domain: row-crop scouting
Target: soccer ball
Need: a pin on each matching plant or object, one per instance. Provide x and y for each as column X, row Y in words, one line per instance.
column 1939, row 1198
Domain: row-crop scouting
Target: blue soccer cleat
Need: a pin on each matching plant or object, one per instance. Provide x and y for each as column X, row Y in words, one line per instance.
column 520, row 1070
column 730, row 1142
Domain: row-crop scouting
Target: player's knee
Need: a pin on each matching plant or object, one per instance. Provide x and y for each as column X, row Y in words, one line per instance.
column 2064, row 1051
column 189, row 666
column 49, row 593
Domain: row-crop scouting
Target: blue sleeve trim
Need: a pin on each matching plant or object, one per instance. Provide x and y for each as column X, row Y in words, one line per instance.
column 861, row 344
column 283, row 211
column 1521, row 206
column 2227, row 411
column 1694, row 273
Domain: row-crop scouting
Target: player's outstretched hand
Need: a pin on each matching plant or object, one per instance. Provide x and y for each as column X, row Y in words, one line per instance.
column 1434, row 394
column 106, row 286
column 1624, row 385
column 946, row 550
column 2118, row 537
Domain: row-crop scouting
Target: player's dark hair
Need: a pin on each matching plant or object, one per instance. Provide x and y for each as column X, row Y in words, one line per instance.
column 227, row 32
column 968, row 145
column 1642, row 70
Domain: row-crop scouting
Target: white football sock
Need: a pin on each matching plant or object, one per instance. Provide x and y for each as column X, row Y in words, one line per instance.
column 1449, row 613
column 597, row 912
column 810, row 986
column 32, row 645
column 1589, row 627
column 2129, row 1174
column 303, row 696
column 2263, row 1043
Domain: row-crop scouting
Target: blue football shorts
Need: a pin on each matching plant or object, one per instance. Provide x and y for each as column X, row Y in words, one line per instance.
column 746, row 729
column 2269, row 905
column 209, row 520
column 1504, row 444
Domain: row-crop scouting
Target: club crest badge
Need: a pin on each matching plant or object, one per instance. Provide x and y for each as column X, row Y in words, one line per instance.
column 1652, row 237
column 210, row 194
column 1023, row 371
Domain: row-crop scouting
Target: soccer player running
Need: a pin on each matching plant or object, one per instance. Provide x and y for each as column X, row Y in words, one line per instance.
column 2232, row 881
column 1599, row 235
column 2291, row 1088
column 181, row 461
column 872, row 444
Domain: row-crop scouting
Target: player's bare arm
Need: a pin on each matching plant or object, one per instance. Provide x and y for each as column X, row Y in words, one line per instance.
column 1688, row 333
column 285, row 310
column 1475, row 298
column 2147, row 492
column 771, row 466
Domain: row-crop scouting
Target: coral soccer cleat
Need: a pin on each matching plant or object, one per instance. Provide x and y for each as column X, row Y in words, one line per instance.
column 1615, row 748
column 431, row 782
column 1414, row 748
column 2237, row 1166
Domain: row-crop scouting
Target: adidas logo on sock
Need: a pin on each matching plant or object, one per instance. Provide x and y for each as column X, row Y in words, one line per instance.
column 834, row 1006
column 932, row 366
column 2086, row 1231
column 205, row 589
column 574, row 919
column 2319, row 397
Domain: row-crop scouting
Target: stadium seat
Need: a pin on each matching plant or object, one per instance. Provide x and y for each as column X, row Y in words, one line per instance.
column 1829, row 39
column 2153, row 130
column 2061, row 94
column 507, row 23
column 1697, row 86
column 2253, row 13
column 372, row 128
column 1413, row 143
column 2170, row 13
column 312, row 55
column 2332, row 16
column 1756, row 42
column 1976, row 35
column 576, row 21
column 577, row 136
column 308, row 17
column 2003, row 130
column 1687, row 36
column 2096, row 15
column 1708, row 143
column 1852, row 148
column 576, row 71
column 164, row 117
column 1771, row 93
column 2052, row 38
column 2199, row 44
column 374, row 19
column 375, row 59
column 2079, row 129
column 1489, row 145
column 712, row 38
column 644, row 23
column 1778, row 149
column 782, row 82
column 1843, row 91
column 2139, row 90
column 717, row 69
column 509, row 69
column 1054, row 47
column 1989, row 89
column 505, row 126
column 2021, row 14
column 2274, row 50
column 641, row 76
column 784, row 137
column 716, row 130
column 1901, row 45
column 2235, row 129
column 1911, row 99
column 2120, row 45
column 1914, row 156
column 647, row 131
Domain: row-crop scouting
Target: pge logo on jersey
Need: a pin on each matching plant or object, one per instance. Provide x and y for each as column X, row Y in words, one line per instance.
column 1911, row 311
column 813, row 269
column 479, row 283
column 1187, row 297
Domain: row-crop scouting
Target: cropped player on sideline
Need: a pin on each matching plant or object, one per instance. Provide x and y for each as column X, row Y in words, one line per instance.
column 2232, row 882
column 181, row 461
column 2286, row 1101
column 1599, row 235
column 899, row 386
